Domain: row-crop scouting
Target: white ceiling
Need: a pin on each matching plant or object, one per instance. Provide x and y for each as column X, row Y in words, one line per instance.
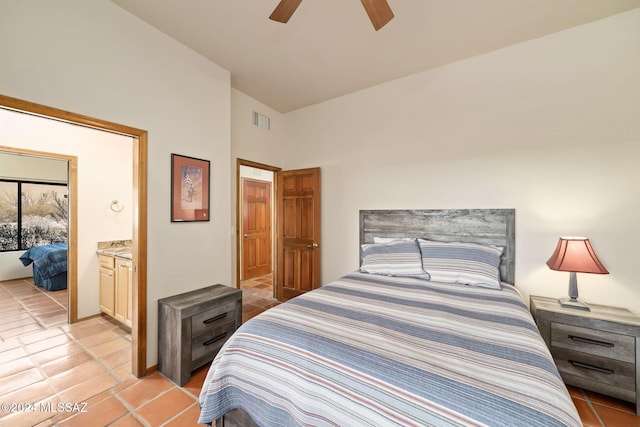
column 329, row 47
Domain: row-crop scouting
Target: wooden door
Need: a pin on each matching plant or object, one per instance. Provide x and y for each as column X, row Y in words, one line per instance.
column 298, row 243
column 256, row 228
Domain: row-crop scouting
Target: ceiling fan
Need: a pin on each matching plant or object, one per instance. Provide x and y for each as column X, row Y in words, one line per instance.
column 378, row 10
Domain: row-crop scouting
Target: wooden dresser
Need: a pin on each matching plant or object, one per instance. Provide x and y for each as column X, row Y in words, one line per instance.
column 193, row 326
column 597, row 350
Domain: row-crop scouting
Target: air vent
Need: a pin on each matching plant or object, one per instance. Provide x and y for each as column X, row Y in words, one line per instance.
column 261, row 121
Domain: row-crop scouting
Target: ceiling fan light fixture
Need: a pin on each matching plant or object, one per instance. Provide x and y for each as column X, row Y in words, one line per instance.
column 378, row 10
column 284, row 10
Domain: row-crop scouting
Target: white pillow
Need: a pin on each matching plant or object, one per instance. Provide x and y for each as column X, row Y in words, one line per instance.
column 395, row 258
column 377, row 239
column 466, row 263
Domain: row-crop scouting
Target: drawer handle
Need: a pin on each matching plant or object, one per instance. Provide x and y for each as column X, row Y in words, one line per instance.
column 214, row 339
column 213, row 319
column 591, row 367
column 590, row 341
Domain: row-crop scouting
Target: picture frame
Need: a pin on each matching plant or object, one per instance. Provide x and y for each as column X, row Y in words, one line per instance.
column 190, row 189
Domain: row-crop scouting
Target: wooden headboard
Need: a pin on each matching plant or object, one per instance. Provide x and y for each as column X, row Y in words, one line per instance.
column 486, row 226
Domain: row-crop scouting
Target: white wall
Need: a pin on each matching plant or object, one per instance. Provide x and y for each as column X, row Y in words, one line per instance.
column 104, row 174
column 95, row 59
column 550, row 127
column 249, row 142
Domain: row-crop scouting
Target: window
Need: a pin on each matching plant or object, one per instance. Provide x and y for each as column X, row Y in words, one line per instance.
column 32, row 214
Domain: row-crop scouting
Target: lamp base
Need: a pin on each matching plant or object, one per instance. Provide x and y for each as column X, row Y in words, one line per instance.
column 573, row 303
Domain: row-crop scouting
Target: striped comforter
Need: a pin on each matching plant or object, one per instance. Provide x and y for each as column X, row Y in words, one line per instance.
column 369, row 350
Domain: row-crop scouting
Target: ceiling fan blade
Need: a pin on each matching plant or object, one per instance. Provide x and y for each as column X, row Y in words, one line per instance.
column 379, row 12
column 284, row 10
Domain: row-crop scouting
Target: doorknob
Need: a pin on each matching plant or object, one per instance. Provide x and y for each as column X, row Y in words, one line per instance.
column 312, row 246
column 245, row 235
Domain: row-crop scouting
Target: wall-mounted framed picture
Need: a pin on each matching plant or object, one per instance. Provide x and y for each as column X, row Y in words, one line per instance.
column 189, row 189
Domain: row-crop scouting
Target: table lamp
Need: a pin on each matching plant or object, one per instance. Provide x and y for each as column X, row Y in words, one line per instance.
column 575, row 255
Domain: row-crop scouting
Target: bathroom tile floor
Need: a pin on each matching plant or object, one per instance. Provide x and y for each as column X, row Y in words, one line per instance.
column 79, row 375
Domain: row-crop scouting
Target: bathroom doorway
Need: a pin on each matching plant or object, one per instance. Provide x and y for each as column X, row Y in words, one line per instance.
column 139, row 227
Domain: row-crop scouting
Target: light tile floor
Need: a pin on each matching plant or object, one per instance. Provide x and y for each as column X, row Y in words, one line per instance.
column 82, row 371
column 44, row 360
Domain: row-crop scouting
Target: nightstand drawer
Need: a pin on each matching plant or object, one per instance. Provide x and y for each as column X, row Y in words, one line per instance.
column 591, row 341
column 212, row 319
column 595, row 368
column 209, row 343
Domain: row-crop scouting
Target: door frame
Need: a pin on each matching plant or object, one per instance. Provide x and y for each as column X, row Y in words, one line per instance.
column 139, row 232
column 242, row 162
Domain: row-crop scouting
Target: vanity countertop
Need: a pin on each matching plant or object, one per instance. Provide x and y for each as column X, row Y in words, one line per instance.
column 115, row 248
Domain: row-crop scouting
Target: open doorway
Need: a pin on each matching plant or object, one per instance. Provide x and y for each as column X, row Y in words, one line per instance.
column 34, row 224
column 256, row 190
column 139, row 227
column 34, row 216
column 256, row 231
column 295, row 232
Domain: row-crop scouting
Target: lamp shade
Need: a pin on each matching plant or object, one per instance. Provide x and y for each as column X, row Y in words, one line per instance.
column 575, row 254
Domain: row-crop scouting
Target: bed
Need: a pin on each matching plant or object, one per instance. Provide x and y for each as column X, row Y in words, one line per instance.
column 49, row 265
column 392, row 344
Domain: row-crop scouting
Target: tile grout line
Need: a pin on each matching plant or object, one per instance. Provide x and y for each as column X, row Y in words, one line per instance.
column 22, row 307
column 133, row 411
column 593, row 409
column 129, row 409
column 36, row 365
column 178, row 414
column 25, row 306
column 105, row 367
column 92, row 357
column 68, row 334
column 110, row 390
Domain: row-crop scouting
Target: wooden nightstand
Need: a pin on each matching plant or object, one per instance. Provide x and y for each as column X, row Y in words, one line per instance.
column 193, row 326
column 597, row 350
